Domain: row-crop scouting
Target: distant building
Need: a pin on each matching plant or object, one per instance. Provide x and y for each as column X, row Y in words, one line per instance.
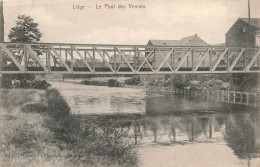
column 156, row 58
column 244, row 33
column 193, row 40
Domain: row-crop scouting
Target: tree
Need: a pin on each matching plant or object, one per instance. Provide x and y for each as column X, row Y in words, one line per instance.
column 246, row 82
column 25, row 30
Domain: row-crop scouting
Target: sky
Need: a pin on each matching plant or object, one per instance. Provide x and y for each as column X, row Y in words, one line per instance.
column 61, row 21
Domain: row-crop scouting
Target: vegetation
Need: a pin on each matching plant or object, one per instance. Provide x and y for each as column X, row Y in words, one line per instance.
column 45, row 133
column 110, row 83
column 113, row 83
column 24, row 141
column 240, row 82
column 246, row 82
column 97, row 83
column 135, row 80
column 25, row 30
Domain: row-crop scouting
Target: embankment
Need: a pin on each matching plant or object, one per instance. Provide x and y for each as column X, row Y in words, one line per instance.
column 38, row 129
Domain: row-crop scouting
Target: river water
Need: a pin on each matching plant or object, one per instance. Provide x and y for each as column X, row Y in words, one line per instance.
column 171, row 130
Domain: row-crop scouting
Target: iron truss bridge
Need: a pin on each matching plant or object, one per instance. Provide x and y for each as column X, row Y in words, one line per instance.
column 46, row 58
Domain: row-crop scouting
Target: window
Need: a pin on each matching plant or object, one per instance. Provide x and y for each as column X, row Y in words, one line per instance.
column 257, row 40
column 244, row 29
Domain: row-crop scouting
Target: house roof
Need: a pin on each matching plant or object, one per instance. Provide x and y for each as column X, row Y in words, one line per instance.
column 193, row 40
column 254, row 22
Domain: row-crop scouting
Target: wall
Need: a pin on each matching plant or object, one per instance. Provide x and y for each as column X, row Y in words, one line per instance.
column 236, row 37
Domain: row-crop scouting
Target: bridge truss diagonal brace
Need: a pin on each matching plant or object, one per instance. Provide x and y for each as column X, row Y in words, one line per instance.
column 123, row 55
column 182, row 59
column 59, row 56
column 35, row 57
column 236, row 60
column 105, row 52
column 220, row 58
column 252, row 61
column 146, row 59
column 89, row 55
column 104, row 59
column 54, row 58
column 9, row 53
column 203, row 57
column 69, row 52
column 80, row 55
column 121, row 64
column 165, row 59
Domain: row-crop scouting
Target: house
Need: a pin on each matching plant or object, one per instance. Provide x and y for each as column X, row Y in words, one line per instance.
column 193, row 40
column 244, row 33
column 157, row 58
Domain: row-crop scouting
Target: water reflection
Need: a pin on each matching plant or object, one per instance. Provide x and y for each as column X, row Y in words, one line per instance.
column 210, row 132
column 236, row 130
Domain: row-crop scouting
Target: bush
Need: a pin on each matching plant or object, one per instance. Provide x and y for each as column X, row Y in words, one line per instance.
column 135, row 80
column 57, row 106
column 246, row 82
column 113, row 83
column 96, row 83
column 7, row 78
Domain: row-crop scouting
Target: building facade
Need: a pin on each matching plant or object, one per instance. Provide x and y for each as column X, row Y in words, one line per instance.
column 244, row 33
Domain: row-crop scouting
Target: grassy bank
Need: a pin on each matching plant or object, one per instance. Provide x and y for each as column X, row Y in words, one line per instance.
column 37, row 129
column 24, row 139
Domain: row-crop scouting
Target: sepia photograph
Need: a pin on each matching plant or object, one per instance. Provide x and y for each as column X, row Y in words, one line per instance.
column 129, row 83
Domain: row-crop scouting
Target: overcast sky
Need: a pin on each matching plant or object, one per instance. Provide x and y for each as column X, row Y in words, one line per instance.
column 160, row 19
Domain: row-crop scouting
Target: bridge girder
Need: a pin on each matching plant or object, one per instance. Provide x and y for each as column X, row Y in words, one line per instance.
column 43, row 58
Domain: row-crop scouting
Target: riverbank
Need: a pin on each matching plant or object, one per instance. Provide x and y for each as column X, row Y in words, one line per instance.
column 25, row 141
column 38, row 129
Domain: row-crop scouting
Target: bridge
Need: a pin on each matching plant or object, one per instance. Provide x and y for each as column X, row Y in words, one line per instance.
column 61, row 58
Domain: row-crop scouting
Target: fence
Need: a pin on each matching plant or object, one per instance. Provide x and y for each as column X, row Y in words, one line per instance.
column 236, row 97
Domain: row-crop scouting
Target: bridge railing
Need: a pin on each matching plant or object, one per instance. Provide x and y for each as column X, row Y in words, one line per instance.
column 126, row 59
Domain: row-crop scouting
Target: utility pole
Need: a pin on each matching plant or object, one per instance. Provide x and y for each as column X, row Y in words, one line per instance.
column 249, row 19
column 1, row 37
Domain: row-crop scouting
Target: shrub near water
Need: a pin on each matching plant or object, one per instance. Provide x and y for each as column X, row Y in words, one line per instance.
column 91, row 144
column 57, row 106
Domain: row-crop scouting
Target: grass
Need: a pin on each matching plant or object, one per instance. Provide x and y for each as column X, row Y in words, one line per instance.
column 37, row 129
column 24, row 141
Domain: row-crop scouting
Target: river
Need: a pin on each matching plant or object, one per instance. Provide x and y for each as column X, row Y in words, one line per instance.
column 171, row 130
